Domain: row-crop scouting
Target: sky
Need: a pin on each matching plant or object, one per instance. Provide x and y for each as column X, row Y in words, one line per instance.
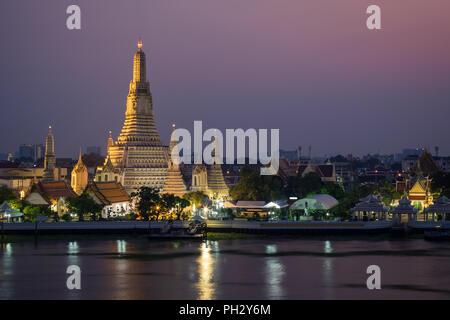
column 310, row 68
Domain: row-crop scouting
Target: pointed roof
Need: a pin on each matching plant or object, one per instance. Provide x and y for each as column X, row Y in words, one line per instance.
column 425, row 165
column 174, row 183
column 80, row 166
column 441, row 205
column 108, row 166
column 369, row 203
column 404, row 207
column 420, row 186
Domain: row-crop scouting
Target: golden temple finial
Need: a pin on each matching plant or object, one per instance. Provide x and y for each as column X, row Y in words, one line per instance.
column 139, row 43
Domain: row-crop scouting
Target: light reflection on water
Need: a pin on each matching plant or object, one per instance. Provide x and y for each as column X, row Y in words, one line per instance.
column 274, row 274
column 7, row 270
column 72, row 250
column 327, row 271
column 206, row 263
column 236, row 269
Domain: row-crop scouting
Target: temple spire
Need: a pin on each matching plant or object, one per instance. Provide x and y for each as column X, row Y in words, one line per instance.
column 49, row 160
column 79, row 176
column 110, row 142
column 174, row 183
column 139, row 67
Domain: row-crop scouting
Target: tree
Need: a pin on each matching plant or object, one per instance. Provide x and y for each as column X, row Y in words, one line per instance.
column 195, row 197
column 333, row 189
column 31, row 212
column 147, row 202
column 440, row 184
column 338, row 158
column 93, row 160
column 172, row 204
column 303, row 186
column 254, row 186
column 6, row 194
column 82, row 205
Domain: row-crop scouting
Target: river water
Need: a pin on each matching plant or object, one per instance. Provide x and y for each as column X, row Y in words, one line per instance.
column 133, row 268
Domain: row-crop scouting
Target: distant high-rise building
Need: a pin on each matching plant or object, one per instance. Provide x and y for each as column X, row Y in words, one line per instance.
column 26, row 151
column 39, row 151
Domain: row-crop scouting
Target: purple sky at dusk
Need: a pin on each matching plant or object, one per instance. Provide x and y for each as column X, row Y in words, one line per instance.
column 308, row 67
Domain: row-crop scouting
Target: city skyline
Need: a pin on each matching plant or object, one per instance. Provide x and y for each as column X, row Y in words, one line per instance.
column 348, row 91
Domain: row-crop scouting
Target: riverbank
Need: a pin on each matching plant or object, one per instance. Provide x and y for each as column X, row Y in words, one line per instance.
column 17, row 238
column 211, row 236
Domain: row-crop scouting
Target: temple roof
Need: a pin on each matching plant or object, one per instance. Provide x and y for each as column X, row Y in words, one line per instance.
column 404, row 207
column 425, row 165
column 323, row 170
column 109, row 192
column 52, row 191
column 441, row 205
column 80, row 166
column 369, row 203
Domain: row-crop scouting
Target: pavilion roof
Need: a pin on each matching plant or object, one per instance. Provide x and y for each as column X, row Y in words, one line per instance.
column 404, row 207
column 370, row 203
column 441, row 205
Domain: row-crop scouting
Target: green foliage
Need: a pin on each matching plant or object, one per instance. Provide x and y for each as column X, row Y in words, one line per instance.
column 16, row 204
column 66, row 217
column 171, row 203
column 82, row 205
column 147, row 202
column 31, row 212
column 7, row 194
column 256, row 187
column 440, row 184
column 302, row 186
column 333, row 190
column 195, row 197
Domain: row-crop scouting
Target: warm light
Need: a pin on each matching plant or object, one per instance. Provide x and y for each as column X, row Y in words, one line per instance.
column 139, row 44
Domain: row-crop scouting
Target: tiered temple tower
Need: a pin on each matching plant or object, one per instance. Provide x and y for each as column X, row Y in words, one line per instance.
column 138, row 151
column 174, row 183
column 216, row 183
column 79, row 177
column 210, row 180
column 49, row 160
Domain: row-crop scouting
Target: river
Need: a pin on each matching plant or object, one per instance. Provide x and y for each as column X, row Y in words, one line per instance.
column 260, row 268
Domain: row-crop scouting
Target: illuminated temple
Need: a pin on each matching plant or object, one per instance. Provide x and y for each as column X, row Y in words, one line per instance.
column 210, row 180
column 138, row 152
column 174, row 183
